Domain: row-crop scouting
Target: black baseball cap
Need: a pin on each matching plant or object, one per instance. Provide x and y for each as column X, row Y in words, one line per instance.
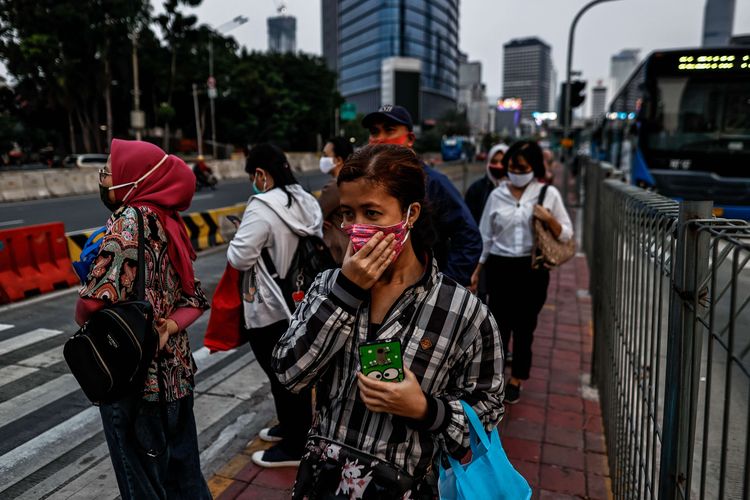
column 389, row 112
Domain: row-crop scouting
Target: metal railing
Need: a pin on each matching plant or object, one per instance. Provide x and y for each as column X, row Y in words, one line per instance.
column 670, row 288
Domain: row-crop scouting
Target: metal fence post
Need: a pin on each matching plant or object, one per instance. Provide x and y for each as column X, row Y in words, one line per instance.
column 689, row 266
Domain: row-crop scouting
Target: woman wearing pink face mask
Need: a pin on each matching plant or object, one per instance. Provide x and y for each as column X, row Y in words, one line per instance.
column 388, row 289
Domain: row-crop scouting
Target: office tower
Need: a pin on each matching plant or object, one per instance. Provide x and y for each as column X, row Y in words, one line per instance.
column 472, row 96
column 598, row 100
column 363, row 37
column 527, row 74
column 718, row 18
column 621, row 66
column 282, row 34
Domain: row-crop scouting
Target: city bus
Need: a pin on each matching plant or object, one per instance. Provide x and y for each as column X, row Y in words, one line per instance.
column 681, row 126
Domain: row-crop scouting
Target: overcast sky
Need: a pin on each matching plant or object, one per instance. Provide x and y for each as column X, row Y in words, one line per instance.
column 487, row 24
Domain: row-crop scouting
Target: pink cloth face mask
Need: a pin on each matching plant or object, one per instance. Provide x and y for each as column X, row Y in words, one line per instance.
column 360, row 234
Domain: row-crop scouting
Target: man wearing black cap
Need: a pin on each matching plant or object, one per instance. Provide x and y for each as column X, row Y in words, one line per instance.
column 459, row 242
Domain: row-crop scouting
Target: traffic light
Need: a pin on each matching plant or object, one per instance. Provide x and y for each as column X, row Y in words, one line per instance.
column 576, row 93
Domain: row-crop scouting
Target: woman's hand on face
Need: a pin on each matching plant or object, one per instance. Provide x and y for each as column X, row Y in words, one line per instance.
column 405, row 398
column 365, row 267
column 542, row 213
column 165, row 328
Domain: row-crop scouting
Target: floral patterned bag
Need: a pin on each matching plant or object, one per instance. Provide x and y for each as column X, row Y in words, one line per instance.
column 333, row 470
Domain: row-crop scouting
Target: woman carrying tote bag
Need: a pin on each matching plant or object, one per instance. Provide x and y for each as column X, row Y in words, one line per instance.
column 151, row 433
column 517, row 290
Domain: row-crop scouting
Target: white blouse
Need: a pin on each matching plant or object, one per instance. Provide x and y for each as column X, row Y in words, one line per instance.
column 506, row 222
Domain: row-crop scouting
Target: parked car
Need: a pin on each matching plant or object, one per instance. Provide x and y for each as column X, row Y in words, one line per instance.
column 70, row 161
column 91, row 160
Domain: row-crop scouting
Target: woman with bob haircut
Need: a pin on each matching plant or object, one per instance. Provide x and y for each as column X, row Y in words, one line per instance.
column 517, row 291
column 378, row 437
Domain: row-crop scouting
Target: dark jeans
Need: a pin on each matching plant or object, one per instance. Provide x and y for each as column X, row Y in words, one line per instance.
column 294, row 411
column 151, row 462
column 517, row 295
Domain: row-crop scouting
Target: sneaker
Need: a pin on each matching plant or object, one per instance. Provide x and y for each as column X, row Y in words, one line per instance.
column 271, row 434
column 512, row 394
column 274, row 457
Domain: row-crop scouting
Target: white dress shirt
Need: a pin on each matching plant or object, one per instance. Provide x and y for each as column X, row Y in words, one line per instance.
column 506, row 222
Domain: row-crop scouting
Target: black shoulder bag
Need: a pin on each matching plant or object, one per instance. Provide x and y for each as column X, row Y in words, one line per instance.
column 110, row 355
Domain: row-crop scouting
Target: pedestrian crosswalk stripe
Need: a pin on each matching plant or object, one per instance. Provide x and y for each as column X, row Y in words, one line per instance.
column 31, row 400
column 100, row 482
column 47, row 447
column 4, row 327
column 26, row 339
column 11, row 373
column 45, row 359
column 66, row 436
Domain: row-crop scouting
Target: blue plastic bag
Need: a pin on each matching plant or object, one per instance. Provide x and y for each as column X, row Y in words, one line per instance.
column 88, row 255
column 489, row 475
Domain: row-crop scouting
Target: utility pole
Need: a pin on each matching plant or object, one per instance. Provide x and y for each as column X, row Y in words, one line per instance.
column 198, row 133
column 136, row 117
column 211, row 83
column 212, row 94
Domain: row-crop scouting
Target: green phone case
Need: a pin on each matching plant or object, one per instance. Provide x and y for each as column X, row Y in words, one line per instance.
column 382, row 361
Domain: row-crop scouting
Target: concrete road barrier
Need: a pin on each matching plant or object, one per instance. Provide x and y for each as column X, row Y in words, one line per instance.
column 34, row 185
column 12, row 187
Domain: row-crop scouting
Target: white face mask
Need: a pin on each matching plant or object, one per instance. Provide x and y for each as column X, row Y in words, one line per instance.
column 326, row 164
column 520, row 180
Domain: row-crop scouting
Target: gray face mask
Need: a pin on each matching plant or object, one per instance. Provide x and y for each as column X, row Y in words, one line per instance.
column 520, row 180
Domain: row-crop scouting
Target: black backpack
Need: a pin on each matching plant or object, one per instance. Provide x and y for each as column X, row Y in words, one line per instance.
column 110, row 355
column 310, row 259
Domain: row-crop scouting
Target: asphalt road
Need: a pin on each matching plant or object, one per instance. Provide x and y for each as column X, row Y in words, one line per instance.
column 87, row 211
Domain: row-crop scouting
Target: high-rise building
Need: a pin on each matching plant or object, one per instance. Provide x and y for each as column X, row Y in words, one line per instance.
column 718, row 18
column 282, row 34
column 359, row 35
column 472, row 96
column 527, row 74
column 329, row 19
column 621, row 66
column 598, row 100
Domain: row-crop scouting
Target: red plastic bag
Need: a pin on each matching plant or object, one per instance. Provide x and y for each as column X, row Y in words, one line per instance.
column 223, row 331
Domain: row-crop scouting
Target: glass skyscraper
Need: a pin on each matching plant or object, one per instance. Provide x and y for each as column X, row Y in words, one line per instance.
column 359, row 34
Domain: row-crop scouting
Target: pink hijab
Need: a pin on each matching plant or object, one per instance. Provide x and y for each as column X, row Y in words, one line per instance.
column 166, row 190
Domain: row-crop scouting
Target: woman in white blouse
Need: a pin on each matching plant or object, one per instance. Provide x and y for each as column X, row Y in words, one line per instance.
column 516, row 291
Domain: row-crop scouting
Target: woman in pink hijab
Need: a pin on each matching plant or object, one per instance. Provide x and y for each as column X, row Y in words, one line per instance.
column 150, row 461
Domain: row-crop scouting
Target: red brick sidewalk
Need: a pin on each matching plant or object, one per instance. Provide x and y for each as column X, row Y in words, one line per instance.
column 553, row 435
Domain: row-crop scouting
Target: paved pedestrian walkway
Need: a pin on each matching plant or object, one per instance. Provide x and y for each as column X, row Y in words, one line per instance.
column 553, row 436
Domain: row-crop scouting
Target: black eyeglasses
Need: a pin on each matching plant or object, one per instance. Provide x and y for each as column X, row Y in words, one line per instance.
column 103, row 174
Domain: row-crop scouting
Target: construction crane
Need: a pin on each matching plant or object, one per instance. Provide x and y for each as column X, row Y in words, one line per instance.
column 280, row 7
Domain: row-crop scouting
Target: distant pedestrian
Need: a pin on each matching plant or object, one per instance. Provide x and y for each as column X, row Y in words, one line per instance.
column 516, row 291
column 336, row 151
column 459, row 243
column 151, row 461
column 478, row 193
column 278, row 214
column 375, row 437
column 550, row 165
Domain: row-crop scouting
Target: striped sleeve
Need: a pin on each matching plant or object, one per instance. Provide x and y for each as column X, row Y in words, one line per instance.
column 479, row 383
column 320, row 327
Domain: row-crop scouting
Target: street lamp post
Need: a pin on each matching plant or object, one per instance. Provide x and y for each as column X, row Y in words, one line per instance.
column 212, row 92
column 567, row 118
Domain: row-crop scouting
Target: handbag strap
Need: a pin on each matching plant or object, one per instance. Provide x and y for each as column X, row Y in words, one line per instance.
column 140, row 279
column 542, row 194
column 475, row 424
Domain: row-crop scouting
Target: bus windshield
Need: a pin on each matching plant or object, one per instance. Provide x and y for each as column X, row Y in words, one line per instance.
column 694, row 114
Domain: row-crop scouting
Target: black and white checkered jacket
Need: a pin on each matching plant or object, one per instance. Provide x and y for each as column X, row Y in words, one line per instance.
column 449, row 340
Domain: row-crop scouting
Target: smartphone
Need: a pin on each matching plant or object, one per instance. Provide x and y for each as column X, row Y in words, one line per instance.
column 382, row 361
